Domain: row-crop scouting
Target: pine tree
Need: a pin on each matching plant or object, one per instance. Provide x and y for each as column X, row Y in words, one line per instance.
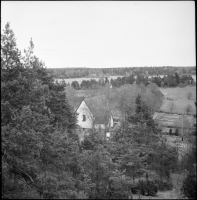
column 39, row 144
column 143, row 114
column 138, row 102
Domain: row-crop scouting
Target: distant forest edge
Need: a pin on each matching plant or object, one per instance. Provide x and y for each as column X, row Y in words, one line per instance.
column 122, row 71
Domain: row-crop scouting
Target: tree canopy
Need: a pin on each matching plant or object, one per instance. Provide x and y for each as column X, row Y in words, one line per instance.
column 36, row 118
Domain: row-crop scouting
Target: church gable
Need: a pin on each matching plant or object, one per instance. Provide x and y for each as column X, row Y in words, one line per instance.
column 95, row 110
column 85, row 117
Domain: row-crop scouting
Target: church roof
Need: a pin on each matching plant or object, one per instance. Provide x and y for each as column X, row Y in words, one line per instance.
column 100, row 108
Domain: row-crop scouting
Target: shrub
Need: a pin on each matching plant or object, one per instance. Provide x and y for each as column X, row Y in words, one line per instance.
column 176, row 132
column 164, row 185
column 147, row 187
column 118, row 188
column 134, row 188
column 189, row 186
column 182, row 85
column 188, row 108
column 189, row 95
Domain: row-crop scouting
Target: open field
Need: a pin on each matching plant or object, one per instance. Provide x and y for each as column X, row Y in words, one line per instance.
column 177, row 93
column 179, row 106
column 180, row 100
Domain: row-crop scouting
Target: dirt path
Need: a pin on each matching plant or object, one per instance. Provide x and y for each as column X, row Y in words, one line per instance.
column 171, row 194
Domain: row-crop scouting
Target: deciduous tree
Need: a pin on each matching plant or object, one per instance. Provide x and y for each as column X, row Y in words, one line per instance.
column 188, row 108
column 189, row 95
column 171, row 105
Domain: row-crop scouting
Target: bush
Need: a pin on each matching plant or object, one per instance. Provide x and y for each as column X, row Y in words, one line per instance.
column 176, row 132
column 164, row 185
column 182, row 85
column 134, row 188
column 118, row 188
column 189, row 186
column 189, row 95
column 147, row 187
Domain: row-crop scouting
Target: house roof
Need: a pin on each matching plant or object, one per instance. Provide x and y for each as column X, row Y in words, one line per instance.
column 173, row 120
column 100, row 108
column 116, row 114
column 76, row 103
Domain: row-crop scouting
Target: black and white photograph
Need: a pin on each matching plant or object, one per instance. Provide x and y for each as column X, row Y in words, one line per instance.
column 98, row 100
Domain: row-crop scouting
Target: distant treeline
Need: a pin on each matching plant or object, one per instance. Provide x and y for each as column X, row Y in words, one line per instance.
column 102, row 72
column 165, row 81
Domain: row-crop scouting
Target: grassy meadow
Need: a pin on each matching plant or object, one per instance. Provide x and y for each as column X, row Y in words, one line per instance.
column 180, row 99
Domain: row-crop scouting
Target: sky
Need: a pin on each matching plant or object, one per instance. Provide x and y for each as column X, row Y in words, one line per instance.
column 104, row 34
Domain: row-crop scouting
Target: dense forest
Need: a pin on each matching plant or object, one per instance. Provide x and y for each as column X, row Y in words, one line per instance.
column 41, row 153
column 99, row 72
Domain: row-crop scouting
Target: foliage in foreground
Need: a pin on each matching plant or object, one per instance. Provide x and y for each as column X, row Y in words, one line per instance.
column 189, row 184
column 41, row 153
column 39, row 145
